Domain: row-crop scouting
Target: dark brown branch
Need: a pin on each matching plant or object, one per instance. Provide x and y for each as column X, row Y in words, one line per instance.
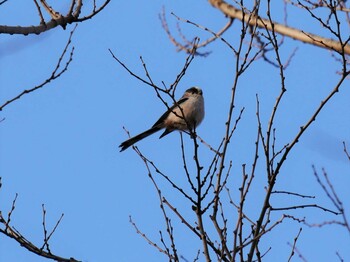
column 56, row 19
column 346, row 151
column 194, row 189
column 339, row 257
column 273, row 175
column 47, row 237
column 310, row 121
column 42, row 20
column 148, row 80
column 10, row 212
column 182, row 219
column 158, row 171
column 146, row 238
column 321, row 5
column 188, row 61
column 304, row 206
column 13, row 233
column 130, row 71
column 169, row 228
column 294, row 248
column 188, row 46
column 333, row 197
column 266, row 141
column 291, row 193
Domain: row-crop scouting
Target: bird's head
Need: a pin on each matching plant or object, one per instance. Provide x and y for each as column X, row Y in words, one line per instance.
column 194, row 90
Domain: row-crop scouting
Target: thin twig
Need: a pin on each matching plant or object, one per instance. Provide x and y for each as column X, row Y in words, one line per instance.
column 138, row 231
column 42, row 20
column 56, row 73
column 13, row 233
column 294, row 245
column 291, row 193
column 305, row 206
column 346, row 151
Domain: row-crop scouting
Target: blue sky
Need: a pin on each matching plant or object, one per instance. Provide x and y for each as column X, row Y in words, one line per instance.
column 59, row 145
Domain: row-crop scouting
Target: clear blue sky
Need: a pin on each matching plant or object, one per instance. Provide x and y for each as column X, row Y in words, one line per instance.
column 59, row 144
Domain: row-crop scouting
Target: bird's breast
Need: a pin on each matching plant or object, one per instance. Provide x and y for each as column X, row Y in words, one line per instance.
column 192, row 111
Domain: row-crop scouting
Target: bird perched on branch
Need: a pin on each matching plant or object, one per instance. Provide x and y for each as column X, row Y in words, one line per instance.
column 185, row 114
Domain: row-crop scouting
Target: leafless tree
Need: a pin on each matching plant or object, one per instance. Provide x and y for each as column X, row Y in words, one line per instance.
column 222, row 235
column 221, row 220
column 74, row 15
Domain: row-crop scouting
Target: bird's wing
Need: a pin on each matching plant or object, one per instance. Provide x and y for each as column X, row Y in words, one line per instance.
column 165, row 115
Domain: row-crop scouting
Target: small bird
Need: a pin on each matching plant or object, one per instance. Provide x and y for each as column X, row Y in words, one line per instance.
column 185, row 114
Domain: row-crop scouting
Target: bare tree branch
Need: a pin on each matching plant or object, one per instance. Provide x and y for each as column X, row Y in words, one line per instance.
column 56, row 73
column 346, row 151
column 57, row 19
column 294, row 248
column 188, row 46
column 11, row 232
column 236, row 236
column 297, row 34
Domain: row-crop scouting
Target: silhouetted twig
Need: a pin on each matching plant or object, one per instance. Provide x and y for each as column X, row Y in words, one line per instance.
column 56, row 73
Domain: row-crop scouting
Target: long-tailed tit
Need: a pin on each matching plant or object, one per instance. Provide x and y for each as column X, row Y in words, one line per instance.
column 185, row 114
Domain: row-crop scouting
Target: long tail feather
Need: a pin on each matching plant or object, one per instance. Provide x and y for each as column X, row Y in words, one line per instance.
column 137, row 138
